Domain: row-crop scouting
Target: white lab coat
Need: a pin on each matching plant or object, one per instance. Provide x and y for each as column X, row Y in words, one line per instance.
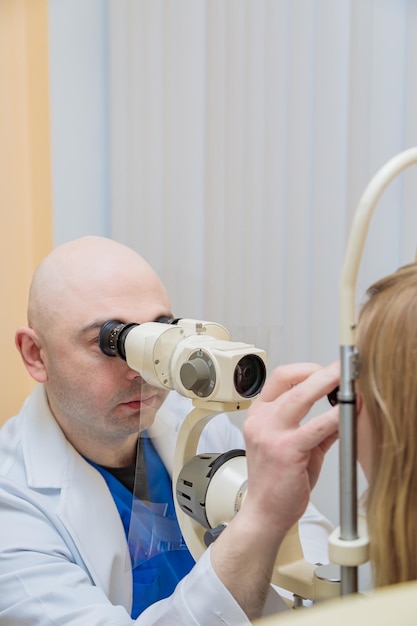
column 63, row 553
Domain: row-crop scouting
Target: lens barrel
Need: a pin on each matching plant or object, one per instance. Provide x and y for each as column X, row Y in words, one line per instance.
column 111, row 339
column 249, row 375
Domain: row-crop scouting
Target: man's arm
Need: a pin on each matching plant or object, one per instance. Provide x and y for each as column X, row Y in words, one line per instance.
column 284, row 459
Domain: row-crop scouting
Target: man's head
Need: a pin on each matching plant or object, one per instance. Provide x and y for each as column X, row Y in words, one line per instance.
column 97, row 400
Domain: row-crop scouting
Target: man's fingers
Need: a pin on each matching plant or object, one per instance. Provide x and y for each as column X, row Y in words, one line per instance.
column 285, row 377
column 319, row 431
column 292, row 391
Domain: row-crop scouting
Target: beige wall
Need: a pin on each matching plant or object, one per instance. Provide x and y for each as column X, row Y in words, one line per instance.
column 25, row 178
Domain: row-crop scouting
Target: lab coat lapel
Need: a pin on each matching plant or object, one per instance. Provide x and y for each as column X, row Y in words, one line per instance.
column 96, row 527
column 85, row 505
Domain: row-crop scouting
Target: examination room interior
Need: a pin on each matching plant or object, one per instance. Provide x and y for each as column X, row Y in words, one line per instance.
column 228, row 142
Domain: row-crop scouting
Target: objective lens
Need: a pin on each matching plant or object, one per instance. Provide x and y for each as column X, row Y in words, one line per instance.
column 249, row 376
column 111, row 339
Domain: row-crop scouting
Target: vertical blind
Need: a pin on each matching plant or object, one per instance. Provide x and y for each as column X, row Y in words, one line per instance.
column 242, row 135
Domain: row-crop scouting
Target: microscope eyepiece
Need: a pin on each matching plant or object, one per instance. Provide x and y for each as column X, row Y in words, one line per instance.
column 112, row 337
column 195, row 358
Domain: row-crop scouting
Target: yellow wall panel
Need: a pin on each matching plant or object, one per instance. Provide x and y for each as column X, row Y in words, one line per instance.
column 25, row 177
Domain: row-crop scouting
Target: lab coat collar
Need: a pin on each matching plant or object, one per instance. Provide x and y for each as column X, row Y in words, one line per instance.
column 44, row 444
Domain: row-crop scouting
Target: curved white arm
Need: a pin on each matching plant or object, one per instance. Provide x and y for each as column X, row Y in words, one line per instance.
column 357, row 238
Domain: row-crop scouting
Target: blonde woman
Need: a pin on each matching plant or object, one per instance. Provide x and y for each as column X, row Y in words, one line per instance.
column 387, row 423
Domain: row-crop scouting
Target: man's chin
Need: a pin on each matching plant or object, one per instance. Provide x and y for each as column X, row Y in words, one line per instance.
column 146, row 418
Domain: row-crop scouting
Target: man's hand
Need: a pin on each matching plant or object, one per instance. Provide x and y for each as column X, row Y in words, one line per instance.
column 284, row 456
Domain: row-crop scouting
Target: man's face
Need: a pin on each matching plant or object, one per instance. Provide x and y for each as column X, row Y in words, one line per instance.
column 89, row 392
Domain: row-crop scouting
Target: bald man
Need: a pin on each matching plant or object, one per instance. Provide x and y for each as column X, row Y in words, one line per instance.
column 71, row 459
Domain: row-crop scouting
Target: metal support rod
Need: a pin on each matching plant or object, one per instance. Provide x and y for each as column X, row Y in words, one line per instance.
column 349, row 581
column 347, row 475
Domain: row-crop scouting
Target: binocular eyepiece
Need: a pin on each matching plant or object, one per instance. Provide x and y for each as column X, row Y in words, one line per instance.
column 112, row 338
column 195, row 358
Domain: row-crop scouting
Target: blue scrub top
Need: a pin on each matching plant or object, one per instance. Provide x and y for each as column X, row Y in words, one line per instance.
column 159, row 555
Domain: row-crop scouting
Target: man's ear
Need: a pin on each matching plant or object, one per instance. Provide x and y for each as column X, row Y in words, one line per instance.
column 28, row 344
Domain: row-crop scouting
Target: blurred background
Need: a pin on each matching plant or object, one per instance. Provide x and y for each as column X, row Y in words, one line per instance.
column 228, row 142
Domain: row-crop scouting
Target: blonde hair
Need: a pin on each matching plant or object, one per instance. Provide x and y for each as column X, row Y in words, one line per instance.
column 387, row 344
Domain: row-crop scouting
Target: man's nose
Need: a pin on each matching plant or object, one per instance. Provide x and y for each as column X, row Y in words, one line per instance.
column 132, row 374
